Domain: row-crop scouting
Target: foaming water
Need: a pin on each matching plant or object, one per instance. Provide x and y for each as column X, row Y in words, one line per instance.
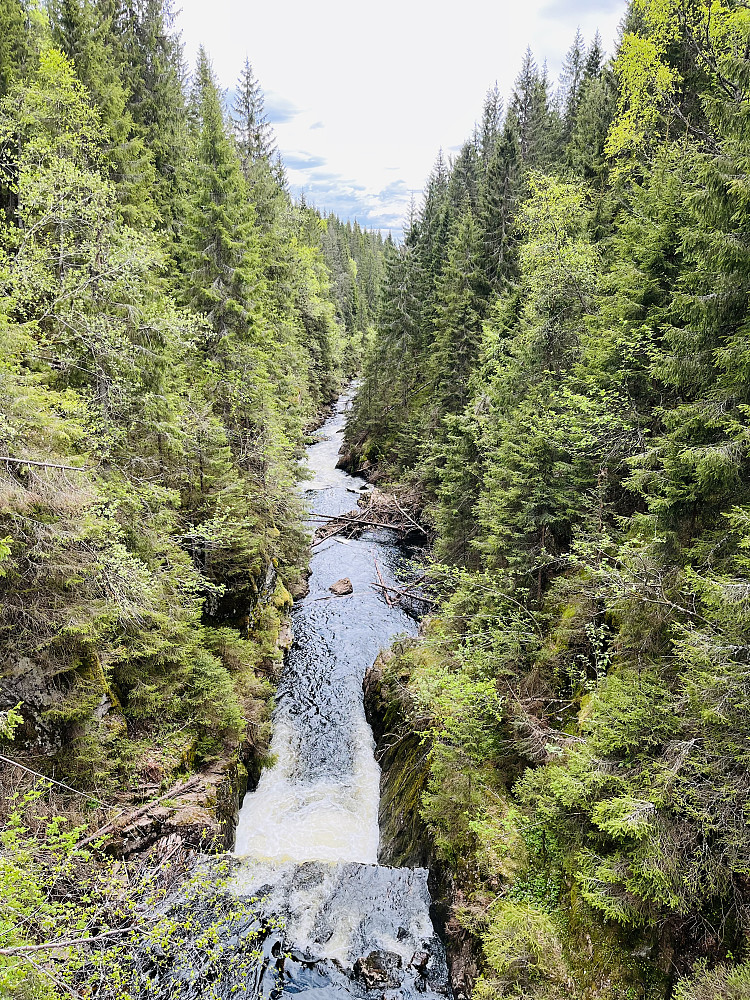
column 350, row 930
column 338, row 925
column 319, row 802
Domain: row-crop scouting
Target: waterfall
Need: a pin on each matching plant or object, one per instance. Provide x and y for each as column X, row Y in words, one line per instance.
column 307, row 838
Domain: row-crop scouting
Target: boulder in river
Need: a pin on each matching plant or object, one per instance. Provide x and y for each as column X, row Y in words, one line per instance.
column 380, row 969
column 342, row 587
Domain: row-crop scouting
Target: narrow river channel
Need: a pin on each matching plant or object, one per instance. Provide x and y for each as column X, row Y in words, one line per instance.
column 308, row 837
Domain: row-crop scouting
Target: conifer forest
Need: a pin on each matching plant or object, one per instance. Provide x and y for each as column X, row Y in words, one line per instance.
column 550, row 384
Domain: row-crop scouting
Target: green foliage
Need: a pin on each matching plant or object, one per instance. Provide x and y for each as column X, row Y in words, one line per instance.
column 110, row 920
column 170, row 324
column 522, row 942
column 577, row 428
column 721, row 983
column 155, row 390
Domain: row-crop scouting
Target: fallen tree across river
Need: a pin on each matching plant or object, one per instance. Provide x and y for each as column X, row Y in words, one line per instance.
column 382, row 510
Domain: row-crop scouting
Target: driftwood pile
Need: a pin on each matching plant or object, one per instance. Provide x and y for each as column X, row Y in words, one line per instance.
column 376, row 510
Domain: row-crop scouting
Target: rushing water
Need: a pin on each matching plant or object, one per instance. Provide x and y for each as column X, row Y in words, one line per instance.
column 320, row 800
column 307, row 838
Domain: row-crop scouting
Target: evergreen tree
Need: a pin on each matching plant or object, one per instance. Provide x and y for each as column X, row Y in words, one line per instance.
column 254, row 133
column 394, row 377
column 533, row 116
column 153, row 73
column 219, row 248
column 14, row 42
column 574, row 69
column 498, row 205
column 463, row 187
column 490, row 126
column 84, row 31
column 594, row 59
column 596, row 111
column 257, row 147
column 461, row 304
column 429, row 236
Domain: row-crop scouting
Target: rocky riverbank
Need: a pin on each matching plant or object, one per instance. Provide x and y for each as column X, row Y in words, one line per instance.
column 405, row 839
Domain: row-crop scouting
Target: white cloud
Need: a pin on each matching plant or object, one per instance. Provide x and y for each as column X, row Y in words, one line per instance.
column 393, row 81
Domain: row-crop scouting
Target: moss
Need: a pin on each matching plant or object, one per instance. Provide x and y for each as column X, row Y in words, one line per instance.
column 242, row 781
column 282, row 600
column 405, row 772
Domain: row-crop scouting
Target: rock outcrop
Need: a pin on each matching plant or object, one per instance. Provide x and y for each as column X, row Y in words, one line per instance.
column 405, row 840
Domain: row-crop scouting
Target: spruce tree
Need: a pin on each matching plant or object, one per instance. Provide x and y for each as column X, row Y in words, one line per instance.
column 597, row 106
column 574, row 69
column 429, row 236
column 219, row 245
column 257, row 147
column 499, row 201
column 463, row 186
column 254, row 133
column 84, row 32
column 594, row 58
column 490, row 125
column 462, row 295
column 153, row 72
column 527, row 111
column 14, row 42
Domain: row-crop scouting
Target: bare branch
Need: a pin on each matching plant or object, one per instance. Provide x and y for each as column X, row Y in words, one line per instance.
column 44, row 465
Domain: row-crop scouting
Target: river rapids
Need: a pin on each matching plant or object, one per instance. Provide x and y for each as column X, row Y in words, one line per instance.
column 307, row 838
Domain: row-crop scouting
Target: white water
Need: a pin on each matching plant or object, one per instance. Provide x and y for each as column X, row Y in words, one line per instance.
column 308, row 835
column 326, row 820
column 319, row 802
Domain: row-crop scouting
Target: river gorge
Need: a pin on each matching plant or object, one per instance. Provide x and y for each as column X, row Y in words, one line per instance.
column 307, row 840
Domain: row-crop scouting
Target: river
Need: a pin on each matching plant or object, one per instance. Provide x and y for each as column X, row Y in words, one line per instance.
column 307, row 839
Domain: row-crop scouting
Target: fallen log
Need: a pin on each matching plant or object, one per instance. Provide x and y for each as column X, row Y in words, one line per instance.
column 178, row 789
column 405, row 592
column 388, row 600
column 347, row 519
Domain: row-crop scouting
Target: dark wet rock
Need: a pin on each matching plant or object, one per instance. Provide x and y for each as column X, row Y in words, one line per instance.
column 380, row 969
column 463, row 949
column 342, row 587
column 405, row 840
column 420, row 960
column 404, row 837
column 351, row 930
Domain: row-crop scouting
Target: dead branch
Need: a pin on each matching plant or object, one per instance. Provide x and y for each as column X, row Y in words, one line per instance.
column 388, row 599
column 53, row 979
column 37, row 774
column 43, row 465
column 405, row 592
column 174, row 792
column 23, row 949
column 409, row 518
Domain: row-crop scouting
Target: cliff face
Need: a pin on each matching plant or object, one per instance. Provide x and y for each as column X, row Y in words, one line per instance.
column 405, row 840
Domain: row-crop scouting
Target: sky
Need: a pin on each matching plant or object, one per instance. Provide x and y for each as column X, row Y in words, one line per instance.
column 362, row 96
